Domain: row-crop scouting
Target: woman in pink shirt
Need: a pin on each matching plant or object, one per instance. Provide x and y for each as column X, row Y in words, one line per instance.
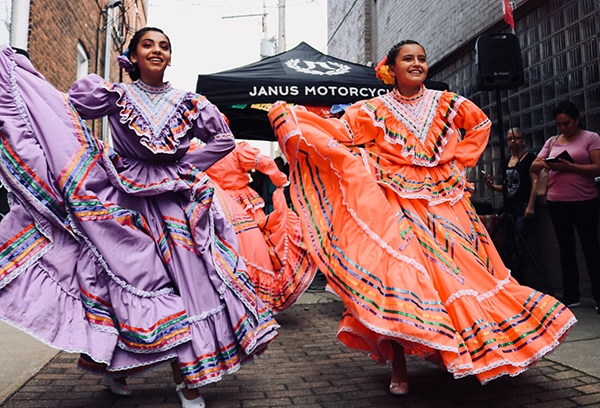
column 573, row 198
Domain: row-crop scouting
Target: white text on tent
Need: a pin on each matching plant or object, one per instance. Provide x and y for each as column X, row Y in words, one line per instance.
column 317, row 91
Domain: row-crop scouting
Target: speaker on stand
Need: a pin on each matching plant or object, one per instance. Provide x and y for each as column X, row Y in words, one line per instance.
column 498, row 62
column 499, row 66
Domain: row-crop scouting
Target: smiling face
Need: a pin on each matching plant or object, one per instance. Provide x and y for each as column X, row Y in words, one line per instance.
column 410, row 69
column 152, row 56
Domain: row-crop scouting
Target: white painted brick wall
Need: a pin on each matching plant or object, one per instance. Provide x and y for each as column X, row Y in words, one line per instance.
column 440, row 26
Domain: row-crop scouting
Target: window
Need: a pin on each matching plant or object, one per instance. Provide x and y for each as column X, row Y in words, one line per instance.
column 82, row 61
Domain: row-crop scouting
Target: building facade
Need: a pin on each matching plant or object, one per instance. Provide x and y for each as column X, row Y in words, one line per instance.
column 69, row 39
column 559, row 42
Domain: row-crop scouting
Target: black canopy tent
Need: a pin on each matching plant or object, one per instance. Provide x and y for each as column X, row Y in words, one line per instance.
column 302, row 75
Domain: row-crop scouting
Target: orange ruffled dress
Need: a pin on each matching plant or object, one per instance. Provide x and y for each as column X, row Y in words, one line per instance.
column 231, row 173
column 272, row 246
column 385, row 208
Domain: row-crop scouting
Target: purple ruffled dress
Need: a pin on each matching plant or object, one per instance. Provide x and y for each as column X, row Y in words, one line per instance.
column 120, row 254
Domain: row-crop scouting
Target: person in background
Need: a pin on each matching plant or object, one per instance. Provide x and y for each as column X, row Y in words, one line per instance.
column 573, row 198
column 271, row 245
column 285, row 169
column 121, row 254
column 386, row 210
column 231, row 173
column 520, row 200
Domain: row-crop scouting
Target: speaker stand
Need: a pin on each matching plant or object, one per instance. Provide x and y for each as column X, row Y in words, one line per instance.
column 503, row 215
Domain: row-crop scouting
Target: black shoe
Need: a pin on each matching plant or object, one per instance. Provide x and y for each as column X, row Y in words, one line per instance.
column 570, row 302
column 597, row 310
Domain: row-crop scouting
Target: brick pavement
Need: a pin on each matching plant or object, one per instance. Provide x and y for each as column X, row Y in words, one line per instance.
column 307, row 367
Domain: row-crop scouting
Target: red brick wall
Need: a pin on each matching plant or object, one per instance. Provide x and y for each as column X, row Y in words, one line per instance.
column 56, row 26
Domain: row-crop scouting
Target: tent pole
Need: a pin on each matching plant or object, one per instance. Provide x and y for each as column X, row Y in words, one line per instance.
column 281, row 28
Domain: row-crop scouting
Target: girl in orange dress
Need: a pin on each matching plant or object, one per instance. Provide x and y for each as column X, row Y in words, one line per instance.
column 231, row 173
column 385, row 208
column 272, row 246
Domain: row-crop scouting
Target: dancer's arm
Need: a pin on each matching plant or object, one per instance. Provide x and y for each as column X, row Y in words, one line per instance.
column 251, row 158
column 91, row 97
column 211, row 128
column 477, row 132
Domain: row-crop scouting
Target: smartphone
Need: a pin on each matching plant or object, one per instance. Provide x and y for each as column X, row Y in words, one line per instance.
column 564, row 155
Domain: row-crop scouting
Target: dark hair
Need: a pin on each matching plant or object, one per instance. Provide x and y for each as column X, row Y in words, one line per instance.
column 568, row 108
column 133, row 43
column 393, row 53
column 22, row 52
column 516, row 130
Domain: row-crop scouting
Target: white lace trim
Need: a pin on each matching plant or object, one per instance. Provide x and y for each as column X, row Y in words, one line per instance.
column 225, row 280
column 103, row 329
column 164, row 360
column 207, row 314
column 467, row 369
column 18, row 101
column 49, row 343
column 412, row 339
column 23, row 112
column 365, row 158
column 255, row 266
column 459, row 294
column 480, row 297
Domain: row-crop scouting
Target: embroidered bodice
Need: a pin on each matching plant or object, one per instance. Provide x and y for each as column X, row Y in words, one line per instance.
column 162, row 118
column 419, row 145
column 151, row 129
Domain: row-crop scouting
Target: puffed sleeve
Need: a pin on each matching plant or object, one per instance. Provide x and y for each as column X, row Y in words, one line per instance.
column 211, row 128
column 251, row 158
column 91, row 97
column 477, row 132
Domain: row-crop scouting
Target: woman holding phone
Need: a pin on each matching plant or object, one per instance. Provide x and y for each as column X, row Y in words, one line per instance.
column 573, row 198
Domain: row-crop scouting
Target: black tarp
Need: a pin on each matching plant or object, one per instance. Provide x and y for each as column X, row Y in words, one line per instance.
column 302, row 75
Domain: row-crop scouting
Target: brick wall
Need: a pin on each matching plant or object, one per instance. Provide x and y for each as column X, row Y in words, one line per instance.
column 56, row 26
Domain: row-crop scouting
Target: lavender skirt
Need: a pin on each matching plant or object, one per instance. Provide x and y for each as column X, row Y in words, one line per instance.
column 129, row 273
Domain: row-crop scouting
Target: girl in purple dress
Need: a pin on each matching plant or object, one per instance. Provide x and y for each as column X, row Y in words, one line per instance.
column 118, row 253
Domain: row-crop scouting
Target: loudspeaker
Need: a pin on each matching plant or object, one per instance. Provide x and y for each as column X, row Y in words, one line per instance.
column 498, row 62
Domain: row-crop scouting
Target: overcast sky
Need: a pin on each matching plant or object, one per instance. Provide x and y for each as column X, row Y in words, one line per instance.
column 204, row 42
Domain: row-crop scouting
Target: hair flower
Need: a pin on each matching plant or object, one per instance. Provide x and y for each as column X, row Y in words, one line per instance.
column 125, row 63
column 383, row 72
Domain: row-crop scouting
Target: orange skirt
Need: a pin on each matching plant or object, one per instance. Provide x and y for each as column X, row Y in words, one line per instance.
column 272, row 248
column 427, row 277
